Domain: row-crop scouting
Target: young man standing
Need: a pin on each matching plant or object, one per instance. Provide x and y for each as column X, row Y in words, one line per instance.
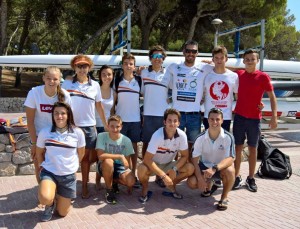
column 213, row 157
column 219, row 86
column 113, row 151
column 186, row 82
column 163, row 147
column 128, row 88
column 252, row 85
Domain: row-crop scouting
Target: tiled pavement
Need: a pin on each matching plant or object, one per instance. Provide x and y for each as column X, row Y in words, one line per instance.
column 275, row 205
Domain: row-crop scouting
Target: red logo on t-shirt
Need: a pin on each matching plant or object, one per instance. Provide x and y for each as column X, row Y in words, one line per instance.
column 46, row 108
column 219, row 90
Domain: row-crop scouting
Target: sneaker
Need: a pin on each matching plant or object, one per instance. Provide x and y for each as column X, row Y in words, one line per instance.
column 47, row 215
column 137, row 183
column 115, row 187
column 110, row 196
column 144, row 199
column 218, row 183
column 251, row 184
column 238, row 182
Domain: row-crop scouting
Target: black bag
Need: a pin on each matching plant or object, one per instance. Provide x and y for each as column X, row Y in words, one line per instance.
column 276, row 165
column 263, row 147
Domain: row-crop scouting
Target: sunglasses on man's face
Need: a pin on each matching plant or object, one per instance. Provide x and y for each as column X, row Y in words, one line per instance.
column 157, row 56
column 194, row 51
column 84, row 66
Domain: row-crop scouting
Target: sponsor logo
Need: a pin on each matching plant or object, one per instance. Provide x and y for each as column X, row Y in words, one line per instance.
column 46, row 108
column 219, row 90
column 292, row 114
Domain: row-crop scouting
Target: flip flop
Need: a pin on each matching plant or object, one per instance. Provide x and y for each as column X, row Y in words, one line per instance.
column 222, row 205
column 209, row 193
column 144, row 199
column 175, row 195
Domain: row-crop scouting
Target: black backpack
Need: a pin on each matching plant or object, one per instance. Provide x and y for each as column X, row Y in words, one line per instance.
column 275, row 165
column 263, row 147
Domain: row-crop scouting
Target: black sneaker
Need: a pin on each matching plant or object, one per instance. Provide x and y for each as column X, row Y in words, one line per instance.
column 110, row 197
column 115, row 187
column 238, row 182
column 251, row 186
column 137, row 183
column 218, row 183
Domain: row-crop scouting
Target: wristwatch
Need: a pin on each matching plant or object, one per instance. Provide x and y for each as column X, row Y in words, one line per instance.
column 215, row 167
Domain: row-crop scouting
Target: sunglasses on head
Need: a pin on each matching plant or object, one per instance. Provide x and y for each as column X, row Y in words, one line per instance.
column 157, row 56
column 214, row 109
column 80, row 66
column 194, row 51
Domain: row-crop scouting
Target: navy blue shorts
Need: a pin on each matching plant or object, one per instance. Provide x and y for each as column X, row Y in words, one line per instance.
column 119, row 169
column 225, row 124
column 90, row 136
column 132, row 130
column 246, row 127
column 150, row 125
column 202, row 167
column 65, row 185
column 191, row 121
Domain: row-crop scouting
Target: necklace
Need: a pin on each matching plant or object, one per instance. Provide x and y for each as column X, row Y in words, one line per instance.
column 61, row 130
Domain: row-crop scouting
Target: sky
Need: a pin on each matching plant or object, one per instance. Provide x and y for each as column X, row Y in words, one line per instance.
column 294, row 7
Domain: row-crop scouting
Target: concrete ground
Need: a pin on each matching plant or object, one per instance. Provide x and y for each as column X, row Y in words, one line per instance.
column 275, row 205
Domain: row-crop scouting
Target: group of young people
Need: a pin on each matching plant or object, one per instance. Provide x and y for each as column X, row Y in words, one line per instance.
column 83, row 121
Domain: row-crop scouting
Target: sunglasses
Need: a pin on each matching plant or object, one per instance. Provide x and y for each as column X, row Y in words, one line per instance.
column 157, row 56
column 194, row 51
column 84, row 66
column 214, row 109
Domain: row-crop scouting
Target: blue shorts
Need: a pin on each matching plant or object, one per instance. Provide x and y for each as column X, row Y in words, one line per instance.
column 225, row 124
column 216, row 176
column 65, row 185
column 192, row 122
column 119, row 169
column 150, row 125
column 90, row 136
column 132, row 130
column 246, row 127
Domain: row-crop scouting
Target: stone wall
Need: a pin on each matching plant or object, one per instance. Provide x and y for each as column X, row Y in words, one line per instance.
column 15, row 161
column 12, row 104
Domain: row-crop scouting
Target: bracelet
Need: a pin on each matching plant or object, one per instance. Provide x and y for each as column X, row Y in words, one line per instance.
column 32, row 143
column 163, row 177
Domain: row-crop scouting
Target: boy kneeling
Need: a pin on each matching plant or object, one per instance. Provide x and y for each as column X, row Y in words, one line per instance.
column 113, row 151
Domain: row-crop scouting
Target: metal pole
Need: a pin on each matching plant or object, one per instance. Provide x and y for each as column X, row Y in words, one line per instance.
column 262, row 51
column 128, row 30
column 111, row 38
column 216, row 37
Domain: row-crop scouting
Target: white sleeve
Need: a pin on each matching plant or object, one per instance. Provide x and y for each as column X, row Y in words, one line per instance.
column 41, row 138
column 183, row 142
column 236, row 84
column 81, row 138
column 207, row 68
column 30, row 101
column 153, row 144
column 169, row 75
column 197, row 148
column 98, row 95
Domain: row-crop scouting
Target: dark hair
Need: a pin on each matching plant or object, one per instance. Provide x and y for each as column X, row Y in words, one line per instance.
column 157, row 48
column 116, row 118
column 171, row 111
column 128, row 56
column 60, row 94
column 100, row 71
column 70, row 119
column 190, row 42
column 215, row 110
column 250, row 51
column 219, row 49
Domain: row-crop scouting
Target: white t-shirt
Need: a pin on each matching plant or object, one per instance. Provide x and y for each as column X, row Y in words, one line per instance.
column 219, row 89
column 122, row 145
column 212, row 152
column 155, row 90
column 107, row 105
column 187, row 85
column 84, row 97
column 128, row 106
column 37, row 99
column 164, row 149
column 61, row 157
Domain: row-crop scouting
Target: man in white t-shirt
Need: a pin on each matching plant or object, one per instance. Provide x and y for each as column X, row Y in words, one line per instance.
column 163, row 147
column 186, row 82
column 219, row 86
column 213, row 156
